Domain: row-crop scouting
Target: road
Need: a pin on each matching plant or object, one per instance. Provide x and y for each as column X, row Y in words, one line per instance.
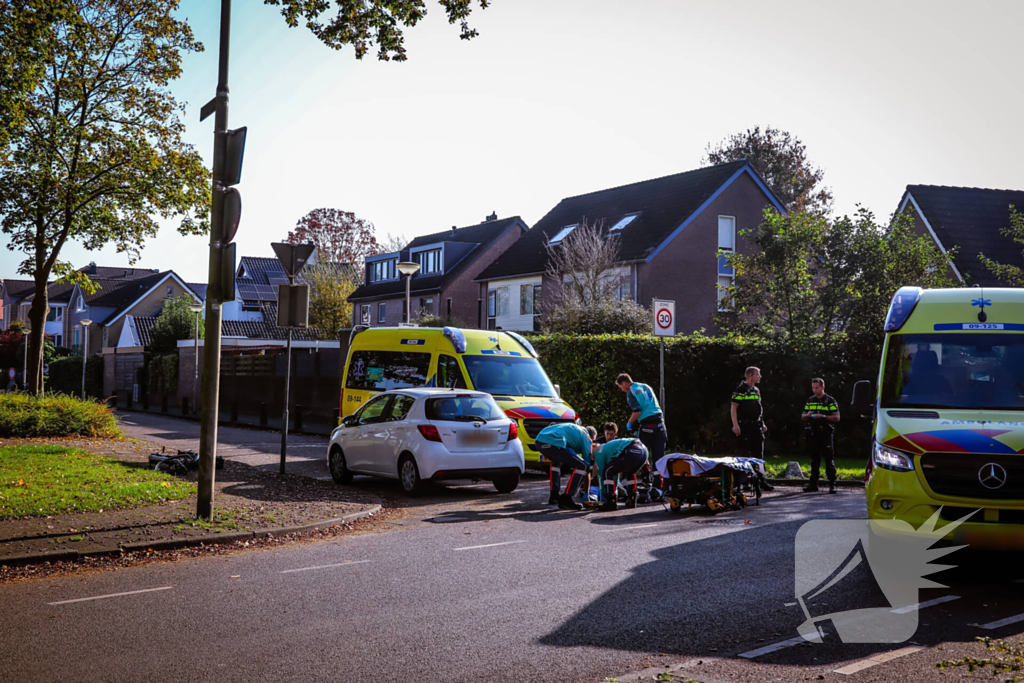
column 493, row 588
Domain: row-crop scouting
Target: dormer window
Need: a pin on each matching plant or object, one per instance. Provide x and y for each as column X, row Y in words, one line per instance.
column 623, row 222
column 563, row 233
column 382, row 270
column 430, row 261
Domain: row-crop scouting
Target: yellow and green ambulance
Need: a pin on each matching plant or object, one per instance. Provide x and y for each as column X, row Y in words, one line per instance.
column 949, row 414
column 504, row 364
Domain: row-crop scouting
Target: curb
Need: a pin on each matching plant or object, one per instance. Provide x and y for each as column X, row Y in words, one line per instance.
column 178, row 543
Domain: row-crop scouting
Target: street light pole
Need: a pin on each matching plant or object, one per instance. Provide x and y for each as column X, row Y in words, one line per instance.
column 197, row 309
column 408, row 269
column 85, row 350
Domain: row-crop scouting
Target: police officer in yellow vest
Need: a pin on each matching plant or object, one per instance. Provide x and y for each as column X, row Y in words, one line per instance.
column 747, row 421
column 821, row 412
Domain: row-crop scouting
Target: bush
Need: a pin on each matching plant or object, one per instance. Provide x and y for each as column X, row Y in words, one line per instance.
column 600, row 317
column 26, row 416
column 438, row 321
column 162, row 374
column 700, row 374
column 66, row 376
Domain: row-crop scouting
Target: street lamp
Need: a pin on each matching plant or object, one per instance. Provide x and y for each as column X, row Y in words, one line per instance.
column 85, row 322
column 197, row 309
column 408, row 269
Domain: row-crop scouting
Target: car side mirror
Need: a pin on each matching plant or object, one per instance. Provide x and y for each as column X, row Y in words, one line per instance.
column 863, row 398
column 348, row 421
column 558, row 391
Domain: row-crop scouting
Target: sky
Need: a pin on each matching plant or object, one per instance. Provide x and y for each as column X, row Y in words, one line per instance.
column 557, row 98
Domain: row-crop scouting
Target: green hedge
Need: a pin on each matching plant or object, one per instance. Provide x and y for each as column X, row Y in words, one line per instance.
column 66, row 376
column 700, row 374
column 26, row 416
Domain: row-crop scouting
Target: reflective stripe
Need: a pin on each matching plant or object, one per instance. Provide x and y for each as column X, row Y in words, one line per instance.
column 609, row 482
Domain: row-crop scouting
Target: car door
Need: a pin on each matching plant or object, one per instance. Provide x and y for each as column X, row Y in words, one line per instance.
column 359, row 448
column 392, row 433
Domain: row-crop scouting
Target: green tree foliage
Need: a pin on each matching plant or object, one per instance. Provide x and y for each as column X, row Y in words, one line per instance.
column 66, row 376
column 176, row 321
column 92, row 150
column 329, row 288
column 1009, row 274
column 781, row 160
column 812, row 275
column 365, row 23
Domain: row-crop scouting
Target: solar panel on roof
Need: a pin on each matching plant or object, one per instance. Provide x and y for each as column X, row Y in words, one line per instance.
column 277, row 279
column 257, row 292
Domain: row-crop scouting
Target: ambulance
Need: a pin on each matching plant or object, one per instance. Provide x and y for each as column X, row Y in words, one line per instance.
column 504, row 364
column 948, row 414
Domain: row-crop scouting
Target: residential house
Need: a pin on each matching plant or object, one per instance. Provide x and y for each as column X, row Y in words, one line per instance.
column 671, row 233
column 972, row 220
column 444, row 286
column 256, row 282
column 14, row 292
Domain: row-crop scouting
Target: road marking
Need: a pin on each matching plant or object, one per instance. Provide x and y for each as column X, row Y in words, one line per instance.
column 324, row 566
column 111, row 595
column 489, row 545
column 1002, row 622
column 922, row 605
column 624, row 528
column 878, row 659
column 773, row 647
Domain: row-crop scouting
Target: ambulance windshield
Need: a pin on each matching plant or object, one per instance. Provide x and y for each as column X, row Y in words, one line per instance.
column 508, row 375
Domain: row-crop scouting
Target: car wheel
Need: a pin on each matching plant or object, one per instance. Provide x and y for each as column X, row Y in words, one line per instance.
column 339, row 470
column 507, row 484
column 409, row 476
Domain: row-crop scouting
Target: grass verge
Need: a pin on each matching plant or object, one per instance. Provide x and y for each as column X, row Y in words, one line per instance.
column 51, row 480
column 55, row 415
column 846, row 468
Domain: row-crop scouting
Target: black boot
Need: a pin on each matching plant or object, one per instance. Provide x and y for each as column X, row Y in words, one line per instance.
column 609, row 505
column 765, row 486
column 565, row 502
column 553, row 498
column 831, row 487
column 811, row 488
column 631, row 500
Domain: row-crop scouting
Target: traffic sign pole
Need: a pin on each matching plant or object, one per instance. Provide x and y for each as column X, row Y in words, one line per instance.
column 664, row 326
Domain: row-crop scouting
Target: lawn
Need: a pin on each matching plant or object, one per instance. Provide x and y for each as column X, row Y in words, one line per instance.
column 51, row 479
column 846, row 468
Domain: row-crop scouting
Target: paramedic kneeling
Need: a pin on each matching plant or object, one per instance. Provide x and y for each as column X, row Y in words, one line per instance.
column 568, row 447
column 648, row 418
column 619, row 457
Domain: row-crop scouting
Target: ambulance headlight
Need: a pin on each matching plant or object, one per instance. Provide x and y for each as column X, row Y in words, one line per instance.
column 891, row 459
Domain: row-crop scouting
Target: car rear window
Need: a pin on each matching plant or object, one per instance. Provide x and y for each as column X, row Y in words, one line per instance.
column 383, row 370
column 463, row 408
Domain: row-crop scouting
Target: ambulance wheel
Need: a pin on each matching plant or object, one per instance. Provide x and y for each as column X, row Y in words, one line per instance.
column 339, row 470
column 409, row 476
column 713, row 504
column 507, row 484
column 742, row 500
column 675, row 506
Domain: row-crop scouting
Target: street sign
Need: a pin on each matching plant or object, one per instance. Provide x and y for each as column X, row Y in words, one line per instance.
column 232, row 213
column 293, row 306
column 664, row 318
column 293, row 257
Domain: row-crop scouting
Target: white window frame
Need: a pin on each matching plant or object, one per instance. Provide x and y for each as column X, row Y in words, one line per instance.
column 364, row 314
column 431, row 261
column 382, row 307
column 563, row 233
column 623, row 222
column 726, row 245
column 384, row 270
column 728, row 223
column 170, row 292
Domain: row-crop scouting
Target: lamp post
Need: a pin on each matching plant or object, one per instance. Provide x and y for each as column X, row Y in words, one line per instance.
column 85, row 322
column 408, row 269
column 197, row 309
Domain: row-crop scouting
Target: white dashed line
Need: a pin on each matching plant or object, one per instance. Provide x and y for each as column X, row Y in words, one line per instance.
column 489, row 545
column 773, row 647
column 1002, row 622
column 922, row 605
column 324, row 566
column 878, row 659
column 111, row 595
column 624, row 528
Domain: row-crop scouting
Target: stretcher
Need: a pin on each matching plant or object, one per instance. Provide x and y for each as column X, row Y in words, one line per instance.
column 715, row 483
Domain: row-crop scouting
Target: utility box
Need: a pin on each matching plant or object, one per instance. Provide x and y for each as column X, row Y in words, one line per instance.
column 293, row 306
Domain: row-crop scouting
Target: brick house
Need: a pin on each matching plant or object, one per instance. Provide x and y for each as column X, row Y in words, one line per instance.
column 449, row 262
column 670, row 231
column 969, row 218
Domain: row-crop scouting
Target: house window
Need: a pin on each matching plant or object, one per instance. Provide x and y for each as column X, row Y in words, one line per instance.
column 623, row 222
column 383, row 270
column 381, row 313
column 170, row 292
column 727, row 233
column 364, row 314
column 55, row 314
column 78, row 330
column 430, row 261
column 529, row 299
column 427, row 306
column 497, row 306
column 563, row 233
column 81, row 305
column 726, row 246
column 58, row 341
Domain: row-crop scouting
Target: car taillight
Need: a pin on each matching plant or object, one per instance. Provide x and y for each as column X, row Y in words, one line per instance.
column 513, row 431
column 430, row 433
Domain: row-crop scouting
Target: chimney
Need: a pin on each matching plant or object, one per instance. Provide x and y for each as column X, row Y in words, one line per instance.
column 492, row 217
column 454, row 229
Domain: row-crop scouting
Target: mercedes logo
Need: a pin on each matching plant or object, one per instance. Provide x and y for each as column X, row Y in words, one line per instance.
column 992, row 476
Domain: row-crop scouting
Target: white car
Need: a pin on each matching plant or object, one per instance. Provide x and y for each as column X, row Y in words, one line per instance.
column 420, row 434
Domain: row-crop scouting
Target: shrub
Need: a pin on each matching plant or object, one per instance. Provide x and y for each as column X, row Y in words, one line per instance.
column 66, row 376
column 438, row 321
column 600, row 317
column 162, row 374
column 26, row 416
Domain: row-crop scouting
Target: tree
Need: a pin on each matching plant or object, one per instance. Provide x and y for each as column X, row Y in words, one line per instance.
column 587, row 299
column 365, row 23
column 330, row 285
column 176, row 321
column 95, row 152
column 1009, row 274
column 781, row 160
column 813, row 275
column 339, row 236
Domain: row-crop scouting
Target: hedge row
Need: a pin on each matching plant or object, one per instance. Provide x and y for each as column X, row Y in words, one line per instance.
column 700, row 374
column 54, row 415
column 65, row 376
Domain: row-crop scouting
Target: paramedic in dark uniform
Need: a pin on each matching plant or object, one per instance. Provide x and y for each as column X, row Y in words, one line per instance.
column 619, row 457
column 568, row 447
column 821, row 412
column 648, row 419
column 747, row 421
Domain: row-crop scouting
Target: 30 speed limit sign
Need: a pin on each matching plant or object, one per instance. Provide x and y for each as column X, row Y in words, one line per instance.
column 664, row 318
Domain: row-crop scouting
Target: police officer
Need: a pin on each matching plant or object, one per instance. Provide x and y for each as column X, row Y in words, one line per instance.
column 747, row 422
column 568, row 447
column 619, row 457
column 647, row 417
column 821, row 412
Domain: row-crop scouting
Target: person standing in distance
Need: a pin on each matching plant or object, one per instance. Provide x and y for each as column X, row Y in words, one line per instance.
column 747, row 420
column 569, row 448
column 648, row 418
column 821, row 412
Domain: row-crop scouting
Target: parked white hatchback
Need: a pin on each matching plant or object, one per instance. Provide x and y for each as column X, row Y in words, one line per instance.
column 420, row 434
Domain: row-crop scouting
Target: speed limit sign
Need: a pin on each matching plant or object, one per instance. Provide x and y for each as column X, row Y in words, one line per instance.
column 664, row 318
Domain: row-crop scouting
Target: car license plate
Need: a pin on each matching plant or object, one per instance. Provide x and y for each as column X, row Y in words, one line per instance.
column 476, row 439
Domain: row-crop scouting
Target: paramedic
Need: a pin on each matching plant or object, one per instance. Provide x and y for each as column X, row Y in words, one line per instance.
column 747, row 422
column 568, row 447
column 619, row 457
column 648, row 418
column 821, row 412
